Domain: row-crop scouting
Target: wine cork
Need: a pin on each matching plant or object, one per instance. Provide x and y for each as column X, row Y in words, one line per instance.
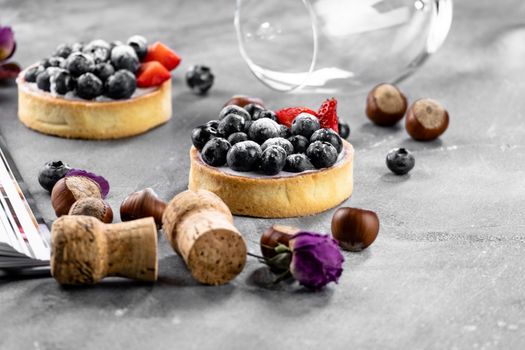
column 85, row 250
column 200, row 228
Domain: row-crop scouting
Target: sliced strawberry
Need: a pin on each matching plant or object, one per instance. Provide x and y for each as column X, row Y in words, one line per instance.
column 286, row 116
column 328, row 115
column 163, row 54
column 152, row 74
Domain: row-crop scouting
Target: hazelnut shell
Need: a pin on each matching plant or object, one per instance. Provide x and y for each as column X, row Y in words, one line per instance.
column 426, row 120
column 142, row 204
column 355, row 229
column 386, row 105
column 242, row 100
column 95, row 207
column 275, row 235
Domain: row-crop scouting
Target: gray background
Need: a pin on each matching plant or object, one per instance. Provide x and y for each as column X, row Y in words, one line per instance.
column 446, row 271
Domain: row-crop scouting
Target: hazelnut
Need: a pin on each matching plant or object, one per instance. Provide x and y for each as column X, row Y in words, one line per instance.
column 70, row 189
column 354, row 229
column 426, row 120
column 95, row 207
column 242, row 100
column 275, row 235
column 142, row 204
column 386, row 105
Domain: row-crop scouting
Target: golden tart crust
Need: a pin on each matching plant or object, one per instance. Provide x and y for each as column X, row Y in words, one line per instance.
column 302, row 194
column 84, row 119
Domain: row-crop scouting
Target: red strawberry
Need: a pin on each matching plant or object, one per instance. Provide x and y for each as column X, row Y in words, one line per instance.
column 328, row 115
column 286, row 116
column 163, row 54
column 152, row 74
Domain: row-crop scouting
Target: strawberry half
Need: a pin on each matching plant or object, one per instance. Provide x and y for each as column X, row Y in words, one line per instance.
column 286, row 116
column 328, row 115
column 163, row 54
column 152, row 74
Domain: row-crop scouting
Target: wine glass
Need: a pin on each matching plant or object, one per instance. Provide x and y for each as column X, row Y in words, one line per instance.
column 328, row 46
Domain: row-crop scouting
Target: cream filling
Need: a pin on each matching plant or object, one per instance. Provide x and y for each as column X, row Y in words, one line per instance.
column 72, row 96
column 255, row 175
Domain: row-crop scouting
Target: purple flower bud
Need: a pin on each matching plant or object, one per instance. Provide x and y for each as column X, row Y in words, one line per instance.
column 9, row 71
column 7, row 43
column 316, row 259
column 102, row 182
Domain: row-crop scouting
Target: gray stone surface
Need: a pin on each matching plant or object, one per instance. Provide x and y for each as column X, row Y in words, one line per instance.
column 446, row 272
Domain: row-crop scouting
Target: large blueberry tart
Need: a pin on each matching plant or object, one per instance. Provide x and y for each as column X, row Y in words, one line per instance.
column 292, row 162
column 98, row 90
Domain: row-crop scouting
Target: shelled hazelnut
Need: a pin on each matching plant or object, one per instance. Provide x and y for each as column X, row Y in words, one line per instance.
column 426, row 120
column 95, row 207
column 243, row 100
column 355, row 229
column 275, row 235
column 142, row 204
column 385, row 105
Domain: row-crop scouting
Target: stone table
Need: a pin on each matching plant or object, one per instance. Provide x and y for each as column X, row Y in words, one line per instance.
column 447, row 270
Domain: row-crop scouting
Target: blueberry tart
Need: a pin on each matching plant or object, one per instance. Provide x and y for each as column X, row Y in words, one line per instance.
column 266, row 171
column 98, row 90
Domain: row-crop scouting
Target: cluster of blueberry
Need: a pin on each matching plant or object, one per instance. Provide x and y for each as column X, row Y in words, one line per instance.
column 250, row 139
column 95, row 69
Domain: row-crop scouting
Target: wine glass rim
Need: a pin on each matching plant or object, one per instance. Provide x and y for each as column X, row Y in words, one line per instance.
column 313, row 22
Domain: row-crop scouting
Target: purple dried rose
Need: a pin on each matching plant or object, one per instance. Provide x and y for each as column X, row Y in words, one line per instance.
column 7, row 43
column 9, row 70
column 101, row 181
column 313, row 259
column 316, row 259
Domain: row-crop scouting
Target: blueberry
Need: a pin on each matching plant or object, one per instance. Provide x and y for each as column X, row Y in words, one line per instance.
column 103, row 70
column 278, row 141
column 299, row 143
column 263, row 129
column 77, row 47
column 265, row 113
column 231, row 123
column 140, row 45
column 43, row 81
column 305, row 124
column 237, row 137
column 400, row 161
column 273, row 160
column 89, row 86
column 284, row 131
column 31, row 74
column 213, row 123
column 233, row 109
column 201, row 135
column 44, row 62
column 344, row 130
column 57, row 61
column 297, row 163
column 247, row 125
column 215, row 151
column 253, row 108
column 322, row 154
column 244, row 156
column 121, row 85
column 61, row 82
column 330, row 136
column 51, row 173
column 124, row 57
column 63, row 50
column 199, row 79
column 79, row 63
column 99, row 49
